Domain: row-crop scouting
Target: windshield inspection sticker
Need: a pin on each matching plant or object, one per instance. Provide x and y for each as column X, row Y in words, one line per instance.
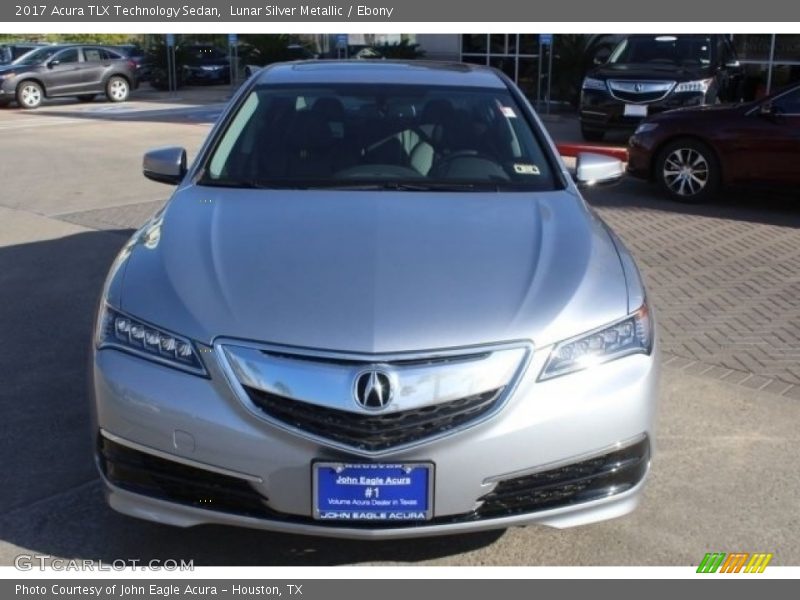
column 508, row 112
column 526, row 169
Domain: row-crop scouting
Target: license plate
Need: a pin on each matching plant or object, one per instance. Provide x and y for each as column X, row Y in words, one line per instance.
column 635, row 110
column 373, row 492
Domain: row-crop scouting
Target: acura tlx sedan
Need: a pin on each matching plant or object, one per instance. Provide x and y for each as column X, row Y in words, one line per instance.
column 376, row 306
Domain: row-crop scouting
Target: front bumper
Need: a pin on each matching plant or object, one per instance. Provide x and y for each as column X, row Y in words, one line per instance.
column 642, row 150
column 184, row 450
column 599, row 110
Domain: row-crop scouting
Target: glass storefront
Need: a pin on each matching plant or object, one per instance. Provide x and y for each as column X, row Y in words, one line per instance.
column 770, row 61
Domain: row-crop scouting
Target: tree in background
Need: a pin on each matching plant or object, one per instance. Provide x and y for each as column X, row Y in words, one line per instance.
column 403, row 49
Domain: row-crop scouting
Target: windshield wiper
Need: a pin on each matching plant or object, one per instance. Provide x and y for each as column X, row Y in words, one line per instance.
column 404, row 186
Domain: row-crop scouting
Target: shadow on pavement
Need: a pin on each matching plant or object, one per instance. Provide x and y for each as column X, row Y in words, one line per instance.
column 198, row 105
column 52, row 501
column 755, row 206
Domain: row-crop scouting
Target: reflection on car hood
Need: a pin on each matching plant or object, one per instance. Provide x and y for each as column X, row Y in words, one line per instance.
column 650, row 71
column 376, row 271
column 704, row 111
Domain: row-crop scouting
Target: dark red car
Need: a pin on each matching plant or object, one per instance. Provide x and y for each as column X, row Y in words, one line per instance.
column 692, row 152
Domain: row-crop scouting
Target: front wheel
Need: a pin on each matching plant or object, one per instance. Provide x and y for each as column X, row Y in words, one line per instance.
column 29, row 94
column 688, row 171
column 117, row 89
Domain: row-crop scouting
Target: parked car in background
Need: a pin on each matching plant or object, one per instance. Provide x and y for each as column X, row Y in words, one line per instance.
column 67, row 70
column 646, row 74
column 376, row 306
column 204, row 63
column 11, row 51
column 135, row 53
column 690, row 153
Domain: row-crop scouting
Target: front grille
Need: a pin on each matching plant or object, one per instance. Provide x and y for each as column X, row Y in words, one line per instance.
column 611, row 473
column 164, row 479
column 640, row 92
column 375, row 432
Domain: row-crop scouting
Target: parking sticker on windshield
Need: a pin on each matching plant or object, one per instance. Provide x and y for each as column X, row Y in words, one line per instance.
column 526, row 169
column 508, row 112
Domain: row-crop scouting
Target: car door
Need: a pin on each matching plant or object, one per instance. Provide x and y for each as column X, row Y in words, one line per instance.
column 95, row 65
column 762, row 145
column 62, row 74
column 784, row 113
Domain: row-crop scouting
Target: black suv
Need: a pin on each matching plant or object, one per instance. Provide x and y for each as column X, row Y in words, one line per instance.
column 646, row 74
column 67, row 70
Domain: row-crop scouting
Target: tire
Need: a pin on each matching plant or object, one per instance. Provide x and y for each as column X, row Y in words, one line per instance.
column 29, row 95
column 592, row 135
column 688, row 171
column 117, row 89
column 87, row 97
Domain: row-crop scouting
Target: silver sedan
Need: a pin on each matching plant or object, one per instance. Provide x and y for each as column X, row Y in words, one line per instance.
column 376, row 306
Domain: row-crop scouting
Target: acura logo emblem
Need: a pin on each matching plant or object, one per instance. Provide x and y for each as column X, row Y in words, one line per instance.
column 638, row 87
column 373, row 390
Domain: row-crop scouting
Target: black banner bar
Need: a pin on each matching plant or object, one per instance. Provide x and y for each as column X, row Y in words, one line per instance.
column 464, row 11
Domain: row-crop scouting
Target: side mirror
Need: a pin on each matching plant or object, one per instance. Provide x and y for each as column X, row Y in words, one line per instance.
column 593, row 169
column 766, row 109
column 53, row 63
column 165, row 165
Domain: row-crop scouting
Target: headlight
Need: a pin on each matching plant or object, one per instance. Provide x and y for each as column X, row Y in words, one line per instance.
column 590, row 83
column 117, row 330
column 631, row 335
column 701, row 85
column 645, row 127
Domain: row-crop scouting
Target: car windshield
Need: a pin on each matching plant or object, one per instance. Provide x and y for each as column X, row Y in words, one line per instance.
column 679, row 50
column 388, row 137
column 34, row 57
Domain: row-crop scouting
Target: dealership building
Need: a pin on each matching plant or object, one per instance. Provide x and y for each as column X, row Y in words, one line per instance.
column 770, row 60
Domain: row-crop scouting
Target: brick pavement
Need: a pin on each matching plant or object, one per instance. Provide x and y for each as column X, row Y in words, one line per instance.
column 725, row 280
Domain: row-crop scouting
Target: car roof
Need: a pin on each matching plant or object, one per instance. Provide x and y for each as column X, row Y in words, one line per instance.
column 420, row 72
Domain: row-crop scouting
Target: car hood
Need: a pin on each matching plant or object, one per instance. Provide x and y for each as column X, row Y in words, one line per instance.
column 705, row 111
column 374, row 272
column 649, row 72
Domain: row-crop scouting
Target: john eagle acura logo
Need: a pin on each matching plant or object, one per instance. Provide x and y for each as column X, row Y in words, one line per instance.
column 373, row 389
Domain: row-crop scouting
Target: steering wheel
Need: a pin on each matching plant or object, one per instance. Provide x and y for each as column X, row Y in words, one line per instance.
column 444, row 162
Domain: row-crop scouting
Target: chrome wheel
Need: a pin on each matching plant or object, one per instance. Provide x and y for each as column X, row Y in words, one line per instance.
column 117, row 89
column 30, row 95
column 685, row 172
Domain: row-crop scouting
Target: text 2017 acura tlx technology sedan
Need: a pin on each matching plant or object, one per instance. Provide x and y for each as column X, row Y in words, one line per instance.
column 376, row 306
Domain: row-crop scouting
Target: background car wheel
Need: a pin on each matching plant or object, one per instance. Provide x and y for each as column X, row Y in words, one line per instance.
column 592, row 135
column 117, row 89
column 688, row 171
column 86, row 97
column 29, row 94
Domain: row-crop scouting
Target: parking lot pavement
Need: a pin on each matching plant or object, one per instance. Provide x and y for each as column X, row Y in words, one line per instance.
column 724, row 278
